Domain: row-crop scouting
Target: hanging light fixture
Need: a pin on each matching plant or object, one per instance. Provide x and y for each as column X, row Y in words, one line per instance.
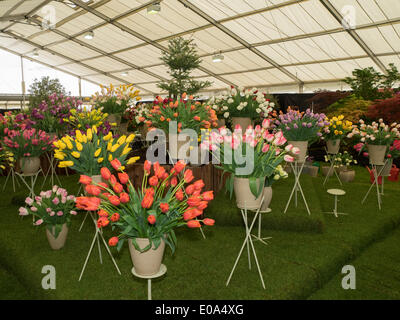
column 218, row 57
column 154, row 8
column 89, row 35
column 35, row 53
column 124, row 74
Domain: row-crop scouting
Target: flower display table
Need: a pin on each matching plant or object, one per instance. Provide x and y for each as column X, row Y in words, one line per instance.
column 336, row 193
column 331, row 168
column 163, row 270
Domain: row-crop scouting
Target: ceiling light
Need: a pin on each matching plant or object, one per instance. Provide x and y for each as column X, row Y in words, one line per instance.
column 124, row 74
column 89, row 35
column 217, row 57
column 35, row 53
column 154, row 8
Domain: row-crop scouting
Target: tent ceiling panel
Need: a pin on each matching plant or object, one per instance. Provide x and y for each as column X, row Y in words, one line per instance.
column 215, row 82
column 24, row 7
column 51, row 59
column 161, row 70
column 24, row 30
column 136, row 76
column 304, row 73
column 74, row 50
column 352, row 7
column 46, row 38
column 61, row 11
column 80, row 23
column 116, row 7
column 391, row 59
column 76, row 68
column 142, row 56
column 21, row 47
column 99, row 78
column 105, row 64
column 375, row 40
column 118, row 40
column 391, row 8
column 151, row 87
column 318, row 12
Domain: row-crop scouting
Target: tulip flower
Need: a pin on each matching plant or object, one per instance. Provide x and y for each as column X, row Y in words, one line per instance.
column 193, row 224
column 209, row 222
column 164, row 207
column 208, row 195
column 102, row 213
column 105, row 173
column 147, row 201
column 85, row 179
column 151, row 219
column 153, row 181
column 188, row 176
column 123, row 177
column 147, row 167
column 118, row 188
column 113, row 241
column 88, row 203
column 193, row 201
column 92, row 190
column 116, row 164
column 124, row 197
column 102, row 222
column 114, row 200
column 179, row 166
column 190, row 189
column 115, row 217
column 179, row 195
column 199, row 184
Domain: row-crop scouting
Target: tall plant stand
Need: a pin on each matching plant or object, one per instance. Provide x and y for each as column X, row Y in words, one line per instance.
column 249, row 242
column 97, row 236
column 11, row 174
column 258, row 236
column 51, row 171
column 163, row 270
column 31, row 186
column 376, row 176
column 331, row 168
column 297, row 169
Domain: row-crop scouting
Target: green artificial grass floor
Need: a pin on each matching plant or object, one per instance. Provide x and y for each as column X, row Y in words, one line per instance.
column 299, row 262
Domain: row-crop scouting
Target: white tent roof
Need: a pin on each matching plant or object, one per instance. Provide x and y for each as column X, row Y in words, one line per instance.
column 276, row 44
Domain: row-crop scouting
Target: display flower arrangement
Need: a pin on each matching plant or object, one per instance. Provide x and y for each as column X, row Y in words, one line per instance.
column 264, row 150
column 188, row 114
column 219, row 104
column 137, row 115
column 377, row 137
column 6, row 159
column 88, row 153
column 335, row 131
column 6, row 123
column 148, row 216
column 52, row 208
column 341, row 159
column 83, row 118
column 49, row 116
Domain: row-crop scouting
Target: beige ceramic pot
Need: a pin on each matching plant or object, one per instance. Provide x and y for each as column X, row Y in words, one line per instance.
column 333, row 146
column 149, row 262
column 242, row 121
column 313, row 171
column 376, row 154
column 59, row 242
column 114, row 118
column 29, row 165
column 244, row 198
column 325, row 171
column 302, row 145
column 347, row 176
column 267, row 193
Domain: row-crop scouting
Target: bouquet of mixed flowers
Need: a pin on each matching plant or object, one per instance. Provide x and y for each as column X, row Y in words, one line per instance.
column 115, row 100
column 88, row 153
column 340, row 159
column 52, row 208
column 337, row 128
column 249, row 103
column 301, row 126
column 265, row 151
column 376, row 133
column 27, row 143
column 166, row 200
column 220, row 106
column 137, row 115
column 49, row 116
column 186, row 112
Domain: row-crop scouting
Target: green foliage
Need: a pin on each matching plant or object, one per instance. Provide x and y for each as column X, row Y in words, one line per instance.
column 40, row 90
column 351, row 107
column 182, row 59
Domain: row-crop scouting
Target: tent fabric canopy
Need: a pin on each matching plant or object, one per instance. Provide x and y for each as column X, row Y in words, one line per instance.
column 275, row 44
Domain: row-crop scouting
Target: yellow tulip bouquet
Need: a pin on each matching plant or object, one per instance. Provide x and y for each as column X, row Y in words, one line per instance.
column 337, row 128
column 83, row 119
column 87, row 153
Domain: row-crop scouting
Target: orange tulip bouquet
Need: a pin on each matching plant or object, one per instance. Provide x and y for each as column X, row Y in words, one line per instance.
column 166, row 200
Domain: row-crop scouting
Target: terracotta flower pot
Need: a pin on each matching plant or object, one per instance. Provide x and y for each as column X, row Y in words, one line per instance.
column 149, row 262
column 29, row 165
column 244, row 197
column 242, row 121
column 376, row 154
column 333, row 146
column 347, row 175
column 267, row 193
column 386, row 168
column 57, row 243
column 302, row 145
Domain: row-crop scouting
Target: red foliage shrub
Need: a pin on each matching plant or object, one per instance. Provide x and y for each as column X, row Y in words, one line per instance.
column 387, row 109
column 324, row 99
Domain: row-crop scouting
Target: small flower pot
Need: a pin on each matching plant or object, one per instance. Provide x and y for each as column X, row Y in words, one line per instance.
column 385, row 168
column 29, row 165
column 347, row 175
column 333, row 146
column 59, row 242
column 244, row 198
column 313, row 171
column 376, row 154
column 123, row 128
column 267, row 193
column 325, row 171
column 242, row 121
column 114, row 118
column 149, row 262
column 302, row 145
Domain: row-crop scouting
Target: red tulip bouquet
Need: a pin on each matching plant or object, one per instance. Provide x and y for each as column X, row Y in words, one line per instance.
column 166, row 200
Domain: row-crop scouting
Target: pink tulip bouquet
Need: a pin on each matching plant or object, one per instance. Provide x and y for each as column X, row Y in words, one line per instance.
column 53, row 208
column 28, row 142
column 376, row 133
column 256, row 149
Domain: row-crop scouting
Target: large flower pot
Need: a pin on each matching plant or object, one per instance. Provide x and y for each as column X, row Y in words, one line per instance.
column 57, row 243
column 386, row 168
column 333, row 146
column 347, row 175
column 149, row 262
column 376, row 154
column 302, row 145
column 114, row 118
column 267, row 193
column 325, row 171
column 176, row 150
column 29, row 165
column 313, row 171
column 244, row 198
column 242, row 121
column 221, row 123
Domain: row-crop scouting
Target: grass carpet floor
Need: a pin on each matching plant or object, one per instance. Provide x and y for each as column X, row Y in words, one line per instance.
column 296, row 264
